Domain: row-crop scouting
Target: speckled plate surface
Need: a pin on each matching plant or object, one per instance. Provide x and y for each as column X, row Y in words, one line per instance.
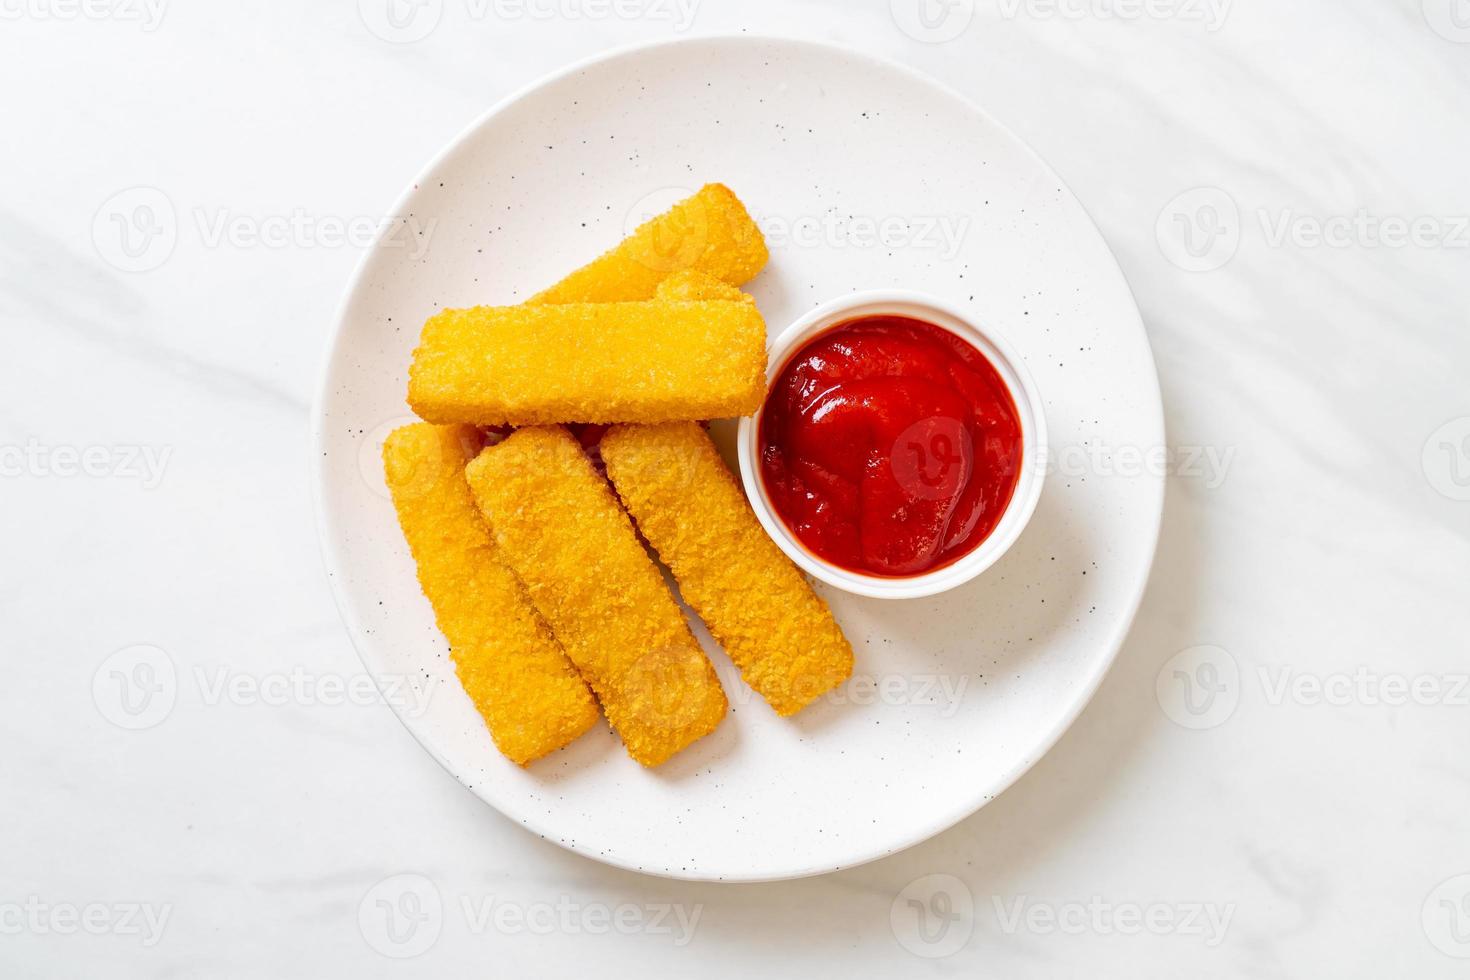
column 864, row 175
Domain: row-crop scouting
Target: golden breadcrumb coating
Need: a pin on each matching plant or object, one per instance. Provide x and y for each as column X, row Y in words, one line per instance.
column 711, row 232
column 590, row 362
column 756, row 603
column 559, row 526
column 693, row 286
column 525, row 688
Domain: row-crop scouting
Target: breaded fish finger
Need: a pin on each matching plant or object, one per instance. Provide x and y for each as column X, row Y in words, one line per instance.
column 532, row 699
column 710, row 231
column 559, row 526
column 692, row 286
column 589, row 362
column 755, row 601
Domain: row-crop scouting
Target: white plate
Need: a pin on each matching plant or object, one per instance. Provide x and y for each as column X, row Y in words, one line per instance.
column 827, row 148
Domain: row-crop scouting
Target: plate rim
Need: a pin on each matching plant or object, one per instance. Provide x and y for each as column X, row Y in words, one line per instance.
column 326, row 524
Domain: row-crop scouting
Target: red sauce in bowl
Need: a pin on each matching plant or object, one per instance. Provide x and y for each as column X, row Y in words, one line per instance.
column 890, row 446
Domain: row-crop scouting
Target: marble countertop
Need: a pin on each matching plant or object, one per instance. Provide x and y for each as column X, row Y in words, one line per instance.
column 1273, row 780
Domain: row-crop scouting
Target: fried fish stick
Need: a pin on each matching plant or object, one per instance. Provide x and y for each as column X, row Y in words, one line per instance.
column 711, row 232
column 589, row 362
column 755, row 601
column 559, row 526
column 532, row 699
column 691, row 286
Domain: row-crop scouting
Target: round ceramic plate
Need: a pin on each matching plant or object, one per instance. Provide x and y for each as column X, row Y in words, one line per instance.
column 863, row 175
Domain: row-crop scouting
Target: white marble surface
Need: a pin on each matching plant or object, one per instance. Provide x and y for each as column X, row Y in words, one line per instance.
column 152, row 441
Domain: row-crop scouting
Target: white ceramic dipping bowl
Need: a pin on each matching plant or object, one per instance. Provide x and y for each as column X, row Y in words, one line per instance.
column 968, row 327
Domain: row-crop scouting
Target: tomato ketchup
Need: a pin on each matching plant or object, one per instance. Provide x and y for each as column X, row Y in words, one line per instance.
column 890, row 446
